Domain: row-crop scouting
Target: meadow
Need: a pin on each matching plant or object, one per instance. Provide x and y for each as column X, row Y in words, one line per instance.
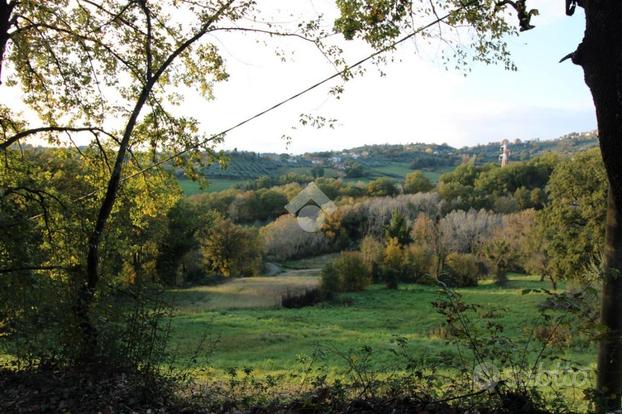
column 215, row 185
column 240, row 325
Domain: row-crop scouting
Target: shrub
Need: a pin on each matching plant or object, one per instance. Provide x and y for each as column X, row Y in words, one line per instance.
column 352, row 271
column 232, row 250
column 395, row 263
column 348, row 273
column 427, row 280
column 421, row 262
column 296, row 300
column 330, row 279
column 557, row 336
column 461, row 270
column 417, row 182
column 382, row 187
column 373, row 254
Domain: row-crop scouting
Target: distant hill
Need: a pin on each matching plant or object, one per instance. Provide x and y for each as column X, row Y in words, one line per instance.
column 390, row 159
column 526, row 150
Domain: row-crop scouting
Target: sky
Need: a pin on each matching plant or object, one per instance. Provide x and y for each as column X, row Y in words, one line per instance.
column 417, row 100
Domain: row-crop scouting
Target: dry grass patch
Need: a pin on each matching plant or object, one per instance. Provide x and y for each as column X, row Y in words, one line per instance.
column 244, row 293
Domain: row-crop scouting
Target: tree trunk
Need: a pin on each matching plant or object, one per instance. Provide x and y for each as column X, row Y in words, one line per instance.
column 6, row 10
column 87, row 291
column 600, row 55
column 610, row 351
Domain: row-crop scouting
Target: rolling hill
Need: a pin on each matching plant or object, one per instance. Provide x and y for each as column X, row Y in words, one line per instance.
column 383, row 160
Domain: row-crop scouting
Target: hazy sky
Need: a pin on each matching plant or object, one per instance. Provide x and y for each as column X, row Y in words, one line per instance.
column 418, row 100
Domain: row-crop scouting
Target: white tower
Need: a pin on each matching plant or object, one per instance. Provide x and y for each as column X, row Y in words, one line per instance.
column 504, row 157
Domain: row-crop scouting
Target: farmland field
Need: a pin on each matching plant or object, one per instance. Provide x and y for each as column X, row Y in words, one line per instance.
column 393, row 170
column 190, row 187
column 249, row 330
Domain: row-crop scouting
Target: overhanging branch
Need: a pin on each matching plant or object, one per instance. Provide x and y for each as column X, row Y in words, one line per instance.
column 23, row 134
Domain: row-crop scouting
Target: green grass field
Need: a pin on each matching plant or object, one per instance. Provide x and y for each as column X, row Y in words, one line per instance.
column 311, row 263
column 436, row 174
column 190, row 187
column 248, row 329
column 394, row 170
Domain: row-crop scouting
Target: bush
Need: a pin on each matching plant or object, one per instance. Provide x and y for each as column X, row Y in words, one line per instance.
column 382, row 187
column 427, row 280
column 348, row 273
column 395, row 263
column 232, row 250
column 421, row 261
column 330, row 279
column 461, row 270
column 352, row 272
column 557, row 336
column 417, row 182
column 298, row 300
column 373, row 253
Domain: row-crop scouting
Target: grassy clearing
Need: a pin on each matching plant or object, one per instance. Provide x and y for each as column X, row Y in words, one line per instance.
column 250, row 292
column 436, row 174
column 270, row 340
column 392, row 169
column 190, row 187
column 311, row 263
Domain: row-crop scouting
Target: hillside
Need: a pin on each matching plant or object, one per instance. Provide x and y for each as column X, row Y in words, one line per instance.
column 372, row 161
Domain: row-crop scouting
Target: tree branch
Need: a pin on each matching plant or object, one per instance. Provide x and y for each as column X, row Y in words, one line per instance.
column 148, row 40
column 115, row 178
column 263, row 31
column 23, row 134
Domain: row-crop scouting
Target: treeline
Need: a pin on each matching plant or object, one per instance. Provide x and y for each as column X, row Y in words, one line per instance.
column 489, row 219
column 175, row 240
column 482, row 227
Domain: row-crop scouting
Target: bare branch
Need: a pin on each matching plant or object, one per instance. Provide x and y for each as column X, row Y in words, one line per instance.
column 148, row 40
column 102, row 150
column 263, row 31
column 23, row 134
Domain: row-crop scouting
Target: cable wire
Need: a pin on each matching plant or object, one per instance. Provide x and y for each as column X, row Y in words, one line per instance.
column 281, row 103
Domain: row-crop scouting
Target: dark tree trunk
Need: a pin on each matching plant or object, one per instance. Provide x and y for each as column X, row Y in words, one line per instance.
column 600, row 55
column 610, row 351
column 553, row 282
column 88, row 288
column 6, row 9
column 87, row 291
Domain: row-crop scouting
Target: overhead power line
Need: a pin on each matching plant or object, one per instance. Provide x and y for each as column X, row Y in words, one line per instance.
column 337, row 74
column 297, row 95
